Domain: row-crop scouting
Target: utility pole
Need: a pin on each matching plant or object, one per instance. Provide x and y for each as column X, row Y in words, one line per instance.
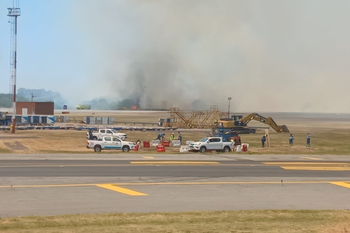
column 13, row 13
column 33, row 97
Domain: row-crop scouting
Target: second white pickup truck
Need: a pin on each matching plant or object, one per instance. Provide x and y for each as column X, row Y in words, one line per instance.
column 211, row 143
column 98, row 134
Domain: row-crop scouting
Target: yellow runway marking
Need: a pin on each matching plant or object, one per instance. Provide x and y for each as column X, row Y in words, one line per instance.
column 317, row 168
column 174, row 162
column 311, row 166
column 311, row 158
column 121, row 190
column 343, row 184
column 303, row 163
column 147, row 157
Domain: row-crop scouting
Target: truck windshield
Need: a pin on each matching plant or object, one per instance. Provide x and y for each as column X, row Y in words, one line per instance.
column 203, row 139
column 114, row 131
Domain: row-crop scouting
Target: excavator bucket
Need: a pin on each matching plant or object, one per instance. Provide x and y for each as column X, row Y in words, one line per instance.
column 283, row 129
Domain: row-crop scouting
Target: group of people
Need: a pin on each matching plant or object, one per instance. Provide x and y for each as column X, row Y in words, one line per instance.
column 308, row 140
column 291, row 140
column 161, row 136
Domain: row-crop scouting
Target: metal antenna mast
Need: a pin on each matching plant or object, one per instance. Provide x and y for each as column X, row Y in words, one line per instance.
column 13, row 13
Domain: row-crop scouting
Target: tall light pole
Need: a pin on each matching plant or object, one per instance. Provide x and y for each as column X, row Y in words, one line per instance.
column 14, row 12
column 228, row 112
column 33, row 97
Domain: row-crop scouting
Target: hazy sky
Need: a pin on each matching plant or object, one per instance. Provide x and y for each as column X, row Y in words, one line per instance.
column 268, row 55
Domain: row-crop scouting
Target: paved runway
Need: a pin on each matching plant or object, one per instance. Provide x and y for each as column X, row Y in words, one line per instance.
column 67, row 184
column 174, row 168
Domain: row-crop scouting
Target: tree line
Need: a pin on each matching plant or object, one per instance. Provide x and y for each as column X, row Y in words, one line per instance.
column 6, row 100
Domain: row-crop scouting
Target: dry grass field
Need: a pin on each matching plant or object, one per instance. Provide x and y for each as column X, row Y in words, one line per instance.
column 272, row 221
column 328, row 136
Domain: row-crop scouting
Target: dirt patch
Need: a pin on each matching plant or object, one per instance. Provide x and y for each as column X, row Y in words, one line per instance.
column 15, row 146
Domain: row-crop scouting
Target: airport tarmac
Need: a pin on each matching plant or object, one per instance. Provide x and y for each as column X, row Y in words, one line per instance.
column 69, row 184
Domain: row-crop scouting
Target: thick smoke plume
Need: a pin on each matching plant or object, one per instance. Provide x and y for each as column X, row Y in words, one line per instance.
column 267, row 55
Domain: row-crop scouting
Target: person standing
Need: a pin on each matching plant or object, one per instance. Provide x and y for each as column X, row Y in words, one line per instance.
column 180, row 138
column 160, row 137
column 308, row 140
column 172, row 137
column 263, row 140
column 90, row 134
column 291, row 139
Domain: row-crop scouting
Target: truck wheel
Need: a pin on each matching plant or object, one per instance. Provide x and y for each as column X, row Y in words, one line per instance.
column 203, row 149
column 94, row 138
column 126, row 149
column 227, row 149
column 97, row 148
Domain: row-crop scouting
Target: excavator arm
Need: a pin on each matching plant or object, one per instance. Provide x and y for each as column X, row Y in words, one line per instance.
column 269, row 121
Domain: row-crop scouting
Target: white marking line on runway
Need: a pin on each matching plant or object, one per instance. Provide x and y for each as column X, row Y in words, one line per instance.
column 67, row 165
column 342, row 184
column 121, row 190
column 175, row 183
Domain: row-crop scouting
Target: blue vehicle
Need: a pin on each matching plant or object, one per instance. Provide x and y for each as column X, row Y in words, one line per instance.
column 4, row 120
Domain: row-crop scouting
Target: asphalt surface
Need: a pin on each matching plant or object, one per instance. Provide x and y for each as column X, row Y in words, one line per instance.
column 137, row 168
column 104, row 183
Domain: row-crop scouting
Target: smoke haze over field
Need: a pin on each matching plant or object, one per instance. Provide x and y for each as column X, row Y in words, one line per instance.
column 271, row 55
column 266, row 55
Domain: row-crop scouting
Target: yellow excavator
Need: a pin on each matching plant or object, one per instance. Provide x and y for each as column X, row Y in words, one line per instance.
column 239, row 122
column 269, row 121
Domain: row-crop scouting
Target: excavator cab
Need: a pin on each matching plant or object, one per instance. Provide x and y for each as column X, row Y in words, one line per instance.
column 236, row 117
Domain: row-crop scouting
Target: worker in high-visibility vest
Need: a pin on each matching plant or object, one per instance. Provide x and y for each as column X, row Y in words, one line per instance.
column 172, row 137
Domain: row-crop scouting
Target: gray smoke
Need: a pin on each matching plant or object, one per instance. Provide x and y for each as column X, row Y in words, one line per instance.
column 269, row 55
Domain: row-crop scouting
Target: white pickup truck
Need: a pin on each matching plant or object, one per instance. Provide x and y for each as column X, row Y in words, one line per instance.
column 211, row 143
column 98, row 134
column 110, row 143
